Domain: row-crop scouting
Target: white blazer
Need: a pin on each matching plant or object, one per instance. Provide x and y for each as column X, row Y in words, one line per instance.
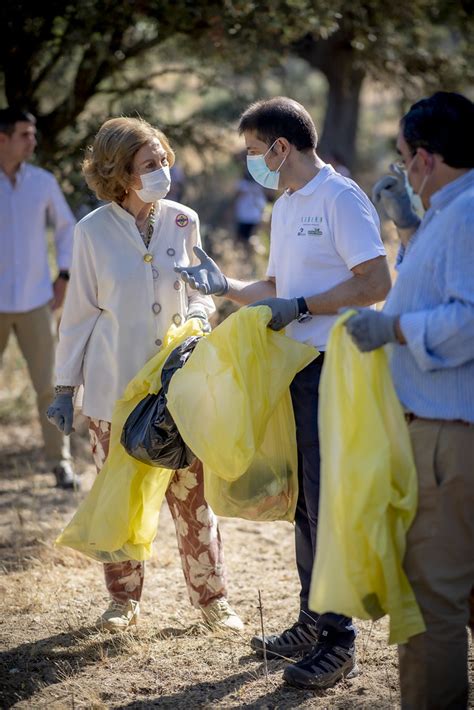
column 122, row 298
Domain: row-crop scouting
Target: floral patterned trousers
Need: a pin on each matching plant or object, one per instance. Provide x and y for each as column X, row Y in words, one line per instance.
column 198, row 536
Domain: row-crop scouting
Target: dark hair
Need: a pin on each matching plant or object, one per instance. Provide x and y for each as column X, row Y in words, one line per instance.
column 9, row 116
column 280, row 117
column 442, row 124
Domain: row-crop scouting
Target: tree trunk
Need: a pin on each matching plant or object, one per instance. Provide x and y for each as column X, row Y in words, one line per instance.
column 341, row 121
column 336, row 59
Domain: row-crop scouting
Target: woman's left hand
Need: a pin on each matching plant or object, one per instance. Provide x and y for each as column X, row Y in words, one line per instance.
column 199, row 312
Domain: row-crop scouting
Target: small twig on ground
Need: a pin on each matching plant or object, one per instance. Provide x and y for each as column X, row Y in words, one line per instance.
column 311, row 618
column 366, row 644
column 260, row 609
column 388, row 684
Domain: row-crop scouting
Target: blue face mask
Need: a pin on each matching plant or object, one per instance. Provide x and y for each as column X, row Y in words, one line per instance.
column 261, row 173
column 415, row 198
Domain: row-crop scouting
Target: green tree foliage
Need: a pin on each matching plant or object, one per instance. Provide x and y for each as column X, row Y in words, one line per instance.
column 418, row 46
column 57, row 58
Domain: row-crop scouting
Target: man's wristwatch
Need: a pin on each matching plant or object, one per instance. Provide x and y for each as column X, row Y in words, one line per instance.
column 304, row 313
column 64, row 274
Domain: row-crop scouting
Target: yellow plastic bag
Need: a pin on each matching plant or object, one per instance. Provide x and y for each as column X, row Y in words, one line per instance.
column 118, row 519
column 232, row 406
column 368, row 491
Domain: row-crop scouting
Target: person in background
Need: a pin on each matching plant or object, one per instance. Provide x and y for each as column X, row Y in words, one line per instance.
column 178, row 182
column 338, row 163
column 249, row 204
column 428, row 319
column 325, row 253
column 29, row 197
column 123, row 297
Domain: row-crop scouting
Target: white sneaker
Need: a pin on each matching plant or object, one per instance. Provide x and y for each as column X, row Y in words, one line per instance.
column 65, row 476
column 119, row 617
column 220, row 615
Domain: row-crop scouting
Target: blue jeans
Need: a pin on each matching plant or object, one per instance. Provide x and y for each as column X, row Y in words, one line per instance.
column 304, row 394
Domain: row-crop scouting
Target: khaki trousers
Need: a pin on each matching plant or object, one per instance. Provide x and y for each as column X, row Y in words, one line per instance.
column 439, row 563
column 34, row 331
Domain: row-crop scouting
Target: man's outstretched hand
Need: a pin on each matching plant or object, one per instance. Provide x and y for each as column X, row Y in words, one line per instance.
column 206, row 277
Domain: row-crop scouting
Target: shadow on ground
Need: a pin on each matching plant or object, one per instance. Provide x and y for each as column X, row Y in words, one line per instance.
column 31, row 667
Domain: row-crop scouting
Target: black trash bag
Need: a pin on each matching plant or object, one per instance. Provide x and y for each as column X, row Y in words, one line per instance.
column 150, row 434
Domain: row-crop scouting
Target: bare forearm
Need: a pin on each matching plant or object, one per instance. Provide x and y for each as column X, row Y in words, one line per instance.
column 353, row 292
column 243, row 292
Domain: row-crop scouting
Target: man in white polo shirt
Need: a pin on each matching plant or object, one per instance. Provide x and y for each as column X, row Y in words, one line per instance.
column 325, row 253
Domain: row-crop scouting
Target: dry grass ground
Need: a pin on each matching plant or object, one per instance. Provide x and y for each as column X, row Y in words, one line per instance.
column 51, row 655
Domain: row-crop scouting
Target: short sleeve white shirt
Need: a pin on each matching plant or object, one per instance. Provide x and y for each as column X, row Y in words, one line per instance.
column 318, row 234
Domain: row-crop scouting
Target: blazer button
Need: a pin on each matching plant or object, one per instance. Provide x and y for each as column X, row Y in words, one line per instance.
column 156, row 308
column 171, row 251
column 177, row 285
column 177, row 319
column 155, row 273
column 158, row 342
column 148, row 258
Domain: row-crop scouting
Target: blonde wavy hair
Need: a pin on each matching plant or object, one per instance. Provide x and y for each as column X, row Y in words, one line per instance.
column 107, row 167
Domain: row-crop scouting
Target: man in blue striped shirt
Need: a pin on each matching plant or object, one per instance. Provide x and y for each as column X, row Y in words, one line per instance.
column 429, row 319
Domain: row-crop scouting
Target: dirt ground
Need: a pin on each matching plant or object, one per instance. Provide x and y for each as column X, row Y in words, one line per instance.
column 51, row 656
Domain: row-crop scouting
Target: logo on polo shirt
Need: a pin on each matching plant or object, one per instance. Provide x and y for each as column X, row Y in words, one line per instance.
column 311, row 227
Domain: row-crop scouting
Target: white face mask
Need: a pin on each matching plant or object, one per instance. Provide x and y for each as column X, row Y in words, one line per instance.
column 260, row 171
column 415, row 197
column 156, row 185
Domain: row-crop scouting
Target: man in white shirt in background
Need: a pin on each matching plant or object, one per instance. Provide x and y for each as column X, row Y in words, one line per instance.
column 29, row 196
column 325, row 253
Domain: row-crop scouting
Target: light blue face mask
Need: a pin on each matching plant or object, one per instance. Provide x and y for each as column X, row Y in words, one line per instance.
column 260, row 171
column 415, row 198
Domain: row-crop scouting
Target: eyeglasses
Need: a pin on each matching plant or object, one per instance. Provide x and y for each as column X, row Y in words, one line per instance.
column 400, row 164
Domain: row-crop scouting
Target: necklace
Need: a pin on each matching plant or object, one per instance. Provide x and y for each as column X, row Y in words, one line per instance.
column 147, row 233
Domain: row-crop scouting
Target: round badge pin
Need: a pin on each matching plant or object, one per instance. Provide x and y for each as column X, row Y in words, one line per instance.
column 182, row 220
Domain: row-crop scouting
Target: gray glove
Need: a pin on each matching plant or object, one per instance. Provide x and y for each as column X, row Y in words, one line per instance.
column 61, row 413
column 199, row 312
column 371, row 329
column 392, row 192
column 284, row 310
column 206, row 277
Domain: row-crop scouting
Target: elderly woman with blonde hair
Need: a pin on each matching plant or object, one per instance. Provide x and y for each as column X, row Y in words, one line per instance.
column 123, row 296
